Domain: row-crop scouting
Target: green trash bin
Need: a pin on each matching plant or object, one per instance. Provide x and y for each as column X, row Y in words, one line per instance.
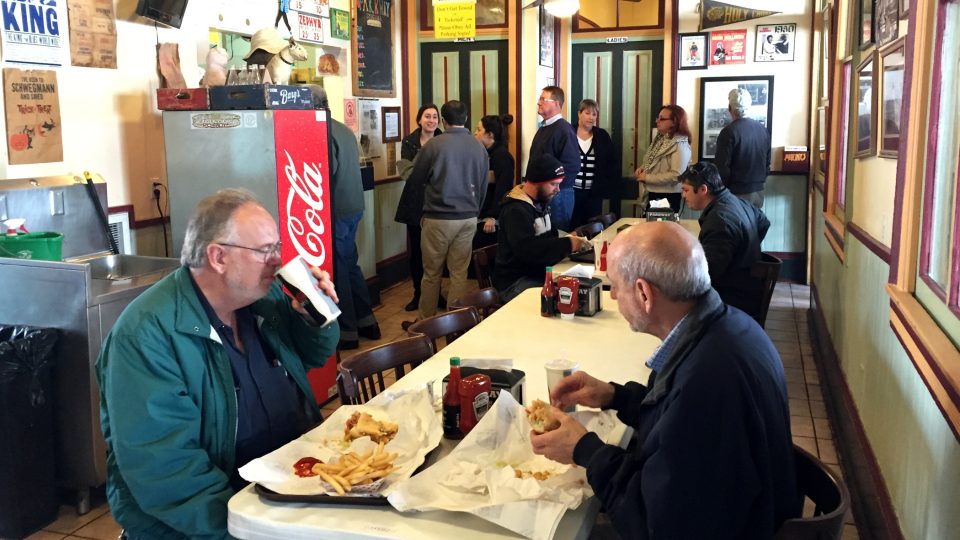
column 43, row 246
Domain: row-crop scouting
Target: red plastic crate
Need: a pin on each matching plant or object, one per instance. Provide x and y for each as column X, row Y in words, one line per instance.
column 183, row 99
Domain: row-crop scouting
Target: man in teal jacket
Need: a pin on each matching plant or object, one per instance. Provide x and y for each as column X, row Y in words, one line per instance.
column 205, row 371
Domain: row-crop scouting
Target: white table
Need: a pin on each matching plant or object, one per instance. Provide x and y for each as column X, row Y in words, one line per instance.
column 609, row 234
column 604, row 346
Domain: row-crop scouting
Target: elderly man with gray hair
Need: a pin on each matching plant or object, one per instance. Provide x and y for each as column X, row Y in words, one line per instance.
column 743, row 151
column 713, row 456
column 205, row 371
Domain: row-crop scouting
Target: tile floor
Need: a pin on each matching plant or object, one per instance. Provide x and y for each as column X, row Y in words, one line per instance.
column 786, row 326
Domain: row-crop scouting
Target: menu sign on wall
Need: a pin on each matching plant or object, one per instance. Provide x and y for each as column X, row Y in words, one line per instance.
column 372, row 45
column 31, row 31
column 33, row 116
column 93, row 33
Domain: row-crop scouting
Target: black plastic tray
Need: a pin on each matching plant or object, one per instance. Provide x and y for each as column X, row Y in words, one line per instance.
column 359, row 500
column 585, row 256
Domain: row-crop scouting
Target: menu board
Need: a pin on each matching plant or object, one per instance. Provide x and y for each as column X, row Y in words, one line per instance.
column 371, row 42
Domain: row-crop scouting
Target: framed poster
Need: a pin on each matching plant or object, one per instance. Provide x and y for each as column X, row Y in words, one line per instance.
column 714, row 115
column 548, row 27
column 775, row 42
column 892, row 98
column 728, row 47
column 866, row 107
column 904, row 8
column 887, row 21
column 866, row 23
column 391, row 124
column 693, row 50
column 372, row 46
column 339, row 24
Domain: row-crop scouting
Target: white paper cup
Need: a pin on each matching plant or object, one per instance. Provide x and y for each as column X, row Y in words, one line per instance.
column 558, row 369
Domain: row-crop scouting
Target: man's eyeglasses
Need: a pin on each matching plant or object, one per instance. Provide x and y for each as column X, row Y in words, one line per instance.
column 265, row 252
column 543, row 100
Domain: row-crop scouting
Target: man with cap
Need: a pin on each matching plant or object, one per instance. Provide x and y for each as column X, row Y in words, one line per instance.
column 527, row 241
column 356, row 317
column 731, row 230
column 743, row 151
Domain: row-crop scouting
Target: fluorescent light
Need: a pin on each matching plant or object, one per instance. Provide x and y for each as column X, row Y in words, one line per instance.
column 561, row 8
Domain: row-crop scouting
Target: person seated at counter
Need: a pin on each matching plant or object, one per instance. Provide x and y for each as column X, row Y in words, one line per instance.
column 713, row 456
column 205, row 371
column 527, row 242
column 731, row 230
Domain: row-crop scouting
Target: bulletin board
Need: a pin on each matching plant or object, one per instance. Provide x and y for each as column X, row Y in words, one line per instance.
column 372, row 46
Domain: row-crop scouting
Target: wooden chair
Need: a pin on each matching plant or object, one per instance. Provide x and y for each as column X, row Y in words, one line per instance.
column 484, row 259
column 766, row 270
column 607, row 219
column 449, row 325
column 829, row 495
column 590, row 229
column 486, row 301
column 360, row 377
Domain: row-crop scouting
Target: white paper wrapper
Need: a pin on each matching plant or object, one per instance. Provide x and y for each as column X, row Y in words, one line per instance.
column 580, row 270
column 418, row 433
column 478, row 476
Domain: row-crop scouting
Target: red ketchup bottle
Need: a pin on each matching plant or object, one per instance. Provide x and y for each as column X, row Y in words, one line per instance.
column 567, row 293
column 603, row 257
column 474, row 400
column 548, row 295
column 451, row 402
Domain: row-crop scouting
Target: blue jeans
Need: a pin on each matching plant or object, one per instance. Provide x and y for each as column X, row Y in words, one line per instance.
column 561, row 209
column 348, row 279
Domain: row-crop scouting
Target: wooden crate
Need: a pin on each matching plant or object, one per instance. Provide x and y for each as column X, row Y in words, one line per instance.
column 183, row 99
column 260, row 96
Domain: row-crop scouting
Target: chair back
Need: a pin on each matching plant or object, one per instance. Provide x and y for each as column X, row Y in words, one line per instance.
column 360, row 377
column 449, row 325
column 484, row 260
column 607, row 219
column 766, row 270
column 830, row 498
column 589, row 230
column 486, row 301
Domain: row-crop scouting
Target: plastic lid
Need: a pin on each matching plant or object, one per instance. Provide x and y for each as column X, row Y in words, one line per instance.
column 454, row 360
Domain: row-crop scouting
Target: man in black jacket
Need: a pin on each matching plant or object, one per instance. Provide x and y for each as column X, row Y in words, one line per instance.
column 743, row 151
column 527, row 241
column 731, row 231
column 713, row 456
column 558, row 138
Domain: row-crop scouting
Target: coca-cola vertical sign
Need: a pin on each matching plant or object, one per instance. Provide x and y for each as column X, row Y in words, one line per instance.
column 303, row 186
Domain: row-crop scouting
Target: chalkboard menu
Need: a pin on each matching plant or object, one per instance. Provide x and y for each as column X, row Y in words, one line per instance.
column 373, row 49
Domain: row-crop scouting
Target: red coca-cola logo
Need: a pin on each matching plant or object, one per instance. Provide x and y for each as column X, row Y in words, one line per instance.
column 302, row 186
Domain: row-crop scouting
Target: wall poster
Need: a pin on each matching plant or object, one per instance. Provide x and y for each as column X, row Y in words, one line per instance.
column 728, row 47
column 775, row 42
column 33, row 116
column 31, row 31
column 93, row 33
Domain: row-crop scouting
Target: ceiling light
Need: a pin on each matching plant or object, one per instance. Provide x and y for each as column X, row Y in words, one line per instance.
column 561, row 8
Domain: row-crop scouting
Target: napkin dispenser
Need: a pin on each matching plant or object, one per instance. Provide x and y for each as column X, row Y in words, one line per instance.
column 500, row 379
column 588, row 297
column 655, row 214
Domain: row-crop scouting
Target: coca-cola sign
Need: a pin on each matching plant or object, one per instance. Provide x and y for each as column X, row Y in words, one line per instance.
column 303, row 188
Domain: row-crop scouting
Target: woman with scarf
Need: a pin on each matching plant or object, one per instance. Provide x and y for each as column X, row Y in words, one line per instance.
column 667, row 157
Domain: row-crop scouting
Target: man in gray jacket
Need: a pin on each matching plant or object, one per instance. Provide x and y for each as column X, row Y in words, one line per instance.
column 453, row 167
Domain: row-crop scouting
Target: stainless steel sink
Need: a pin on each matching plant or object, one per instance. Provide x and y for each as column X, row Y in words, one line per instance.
column 120, row 267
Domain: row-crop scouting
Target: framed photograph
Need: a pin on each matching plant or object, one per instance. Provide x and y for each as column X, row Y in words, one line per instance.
column 339, row 24
column 714, row 115
column 728, row 47
column 391, row 124
column 775, row 42
column 866, row 23
column 693, row 50
column 548, row 32
column 887, row 21
column 904, row 8
column 866, row 107
column 892, row 98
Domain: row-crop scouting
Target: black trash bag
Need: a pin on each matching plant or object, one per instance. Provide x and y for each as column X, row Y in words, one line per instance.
column 27, row 351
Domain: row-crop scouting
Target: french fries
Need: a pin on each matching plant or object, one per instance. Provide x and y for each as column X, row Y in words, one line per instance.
column 356, row 469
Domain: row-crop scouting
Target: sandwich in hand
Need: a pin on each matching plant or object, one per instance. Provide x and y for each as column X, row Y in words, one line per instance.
column 540, row 416
column 363, row 425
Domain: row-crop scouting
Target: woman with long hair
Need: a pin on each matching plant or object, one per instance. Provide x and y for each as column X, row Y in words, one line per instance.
column 667, row 157
column 492, row 133
column 410, row 207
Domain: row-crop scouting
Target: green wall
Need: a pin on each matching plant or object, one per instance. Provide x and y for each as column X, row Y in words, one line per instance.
column 915, row 448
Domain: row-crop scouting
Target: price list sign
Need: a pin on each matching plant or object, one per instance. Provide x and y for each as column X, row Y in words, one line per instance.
column 373, row 50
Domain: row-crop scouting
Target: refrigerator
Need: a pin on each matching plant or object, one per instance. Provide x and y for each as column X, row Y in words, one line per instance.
column 282, row 156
